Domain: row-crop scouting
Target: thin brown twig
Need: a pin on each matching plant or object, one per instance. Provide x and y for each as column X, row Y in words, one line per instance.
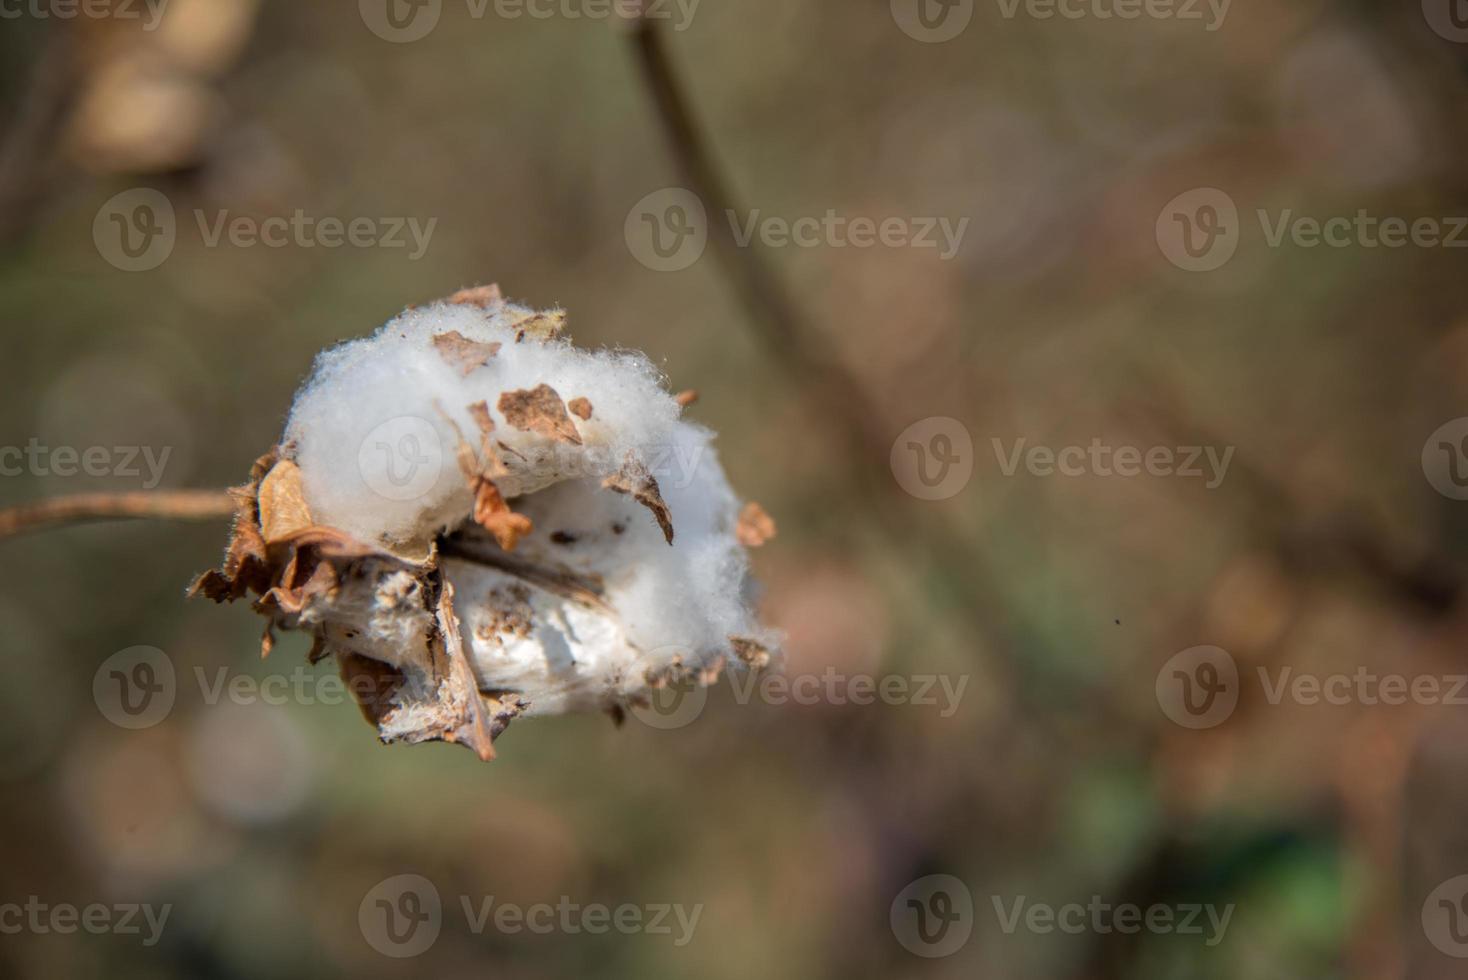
column 182, row 505
column 27, row 157
column 832, row 391
column 773, row 313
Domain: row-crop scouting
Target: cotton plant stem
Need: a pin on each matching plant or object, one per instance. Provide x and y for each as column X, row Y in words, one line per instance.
column 84, row 508
column 836, row 394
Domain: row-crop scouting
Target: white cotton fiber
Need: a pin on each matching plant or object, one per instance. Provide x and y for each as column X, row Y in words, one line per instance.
column 594, row 605
column 371, row 429
column 672, row 603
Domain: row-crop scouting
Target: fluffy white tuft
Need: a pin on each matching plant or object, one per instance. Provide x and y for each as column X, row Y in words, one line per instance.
column 609, row 607
column 371, row 428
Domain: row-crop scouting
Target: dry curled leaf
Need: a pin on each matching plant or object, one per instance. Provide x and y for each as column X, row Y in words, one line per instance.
column 283, row 509
column 490, row 510
column 541, row 410
column 246, row 561
column 475, row 727
column 462, row 353
column 755, row 526
column 318, row 579
column 751, row 651
column 540, row 326
column 634, row 480
column 483, row 297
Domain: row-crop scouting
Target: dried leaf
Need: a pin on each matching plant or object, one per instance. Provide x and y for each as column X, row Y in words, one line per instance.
column 246, row 562
column 476, row 727
column 433, row 701
column 481, row 296
column 490, row 510
column 283, row 509
column 541, row 410
column 480, row 413
column 634, row 479
column 372, row 682
column 751, row 651
column 494, row 515
column 580, row 407
column 462, row 353
column 540, row 326
column 755, row 527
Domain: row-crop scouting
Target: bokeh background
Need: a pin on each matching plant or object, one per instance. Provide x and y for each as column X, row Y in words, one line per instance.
column 1060, row 600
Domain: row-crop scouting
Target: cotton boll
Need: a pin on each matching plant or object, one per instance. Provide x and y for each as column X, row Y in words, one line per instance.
column 479, row 521
column 669, row 607
column 375, row 429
